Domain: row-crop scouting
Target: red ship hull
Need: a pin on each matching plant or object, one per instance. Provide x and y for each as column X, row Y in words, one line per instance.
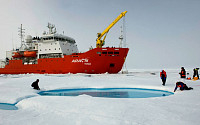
column 95, row 61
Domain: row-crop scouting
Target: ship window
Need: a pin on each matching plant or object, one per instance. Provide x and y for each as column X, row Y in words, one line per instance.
column 49, row 49
column 98, row 52
column 116, row 52
column 110, row 52
column 55, row 48
column 59, row 48
column 40, row 50
column 104, row 52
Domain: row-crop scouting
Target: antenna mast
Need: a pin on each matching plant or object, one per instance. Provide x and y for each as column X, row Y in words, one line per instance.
column 121, row 38
column 124, row 32
column 21, row 35
column 123, row 35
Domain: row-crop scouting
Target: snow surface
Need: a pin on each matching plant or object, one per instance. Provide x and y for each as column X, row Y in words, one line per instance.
column 181, row 108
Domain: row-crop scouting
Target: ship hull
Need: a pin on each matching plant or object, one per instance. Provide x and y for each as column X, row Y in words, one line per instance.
column 95, row 61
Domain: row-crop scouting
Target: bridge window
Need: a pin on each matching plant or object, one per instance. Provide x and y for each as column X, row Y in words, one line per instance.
column 110, row 52
column 104, row 52
column 116, row 52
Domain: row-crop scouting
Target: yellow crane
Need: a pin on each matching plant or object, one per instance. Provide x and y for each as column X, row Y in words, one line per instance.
column 100, row 42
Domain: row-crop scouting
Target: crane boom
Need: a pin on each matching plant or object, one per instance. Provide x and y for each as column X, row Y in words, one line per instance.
column 100, row 42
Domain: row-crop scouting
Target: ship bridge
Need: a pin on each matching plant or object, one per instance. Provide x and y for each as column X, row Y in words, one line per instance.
column 57, row 37
column 53, row 45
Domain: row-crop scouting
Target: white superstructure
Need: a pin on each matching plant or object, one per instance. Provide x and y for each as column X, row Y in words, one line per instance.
column 50, row 45
column 54, row 45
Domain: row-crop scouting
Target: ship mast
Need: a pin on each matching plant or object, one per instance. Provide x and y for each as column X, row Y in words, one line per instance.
column 121, row 38
column 21, row 35
column 123, row 43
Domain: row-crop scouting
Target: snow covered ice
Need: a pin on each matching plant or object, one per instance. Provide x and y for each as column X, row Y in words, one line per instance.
column 180, row 108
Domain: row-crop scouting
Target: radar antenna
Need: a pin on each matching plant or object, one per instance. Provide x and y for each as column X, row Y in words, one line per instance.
column 51, row 26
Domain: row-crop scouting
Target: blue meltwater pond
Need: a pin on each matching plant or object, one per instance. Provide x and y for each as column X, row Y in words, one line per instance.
column 108, row 92
column 96, row 92
column 8, row 106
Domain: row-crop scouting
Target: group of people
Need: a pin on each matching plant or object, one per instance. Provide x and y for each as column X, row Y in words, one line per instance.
column 183, row 73
column 163, row 76
column 181, row 85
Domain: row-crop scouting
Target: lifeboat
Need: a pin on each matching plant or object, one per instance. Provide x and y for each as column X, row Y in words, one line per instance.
column 30, row 54
column 17, row 55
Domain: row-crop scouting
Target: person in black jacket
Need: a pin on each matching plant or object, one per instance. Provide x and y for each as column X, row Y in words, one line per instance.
column 183, row 72
column 196, row 73
column 182, row 86
column 35, row 85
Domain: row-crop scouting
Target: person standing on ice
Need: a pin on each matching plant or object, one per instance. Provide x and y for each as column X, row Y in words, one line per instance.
column 35, row 85
column 196, row 73
column 182, row 86
column 183, row 73
column 163, row 76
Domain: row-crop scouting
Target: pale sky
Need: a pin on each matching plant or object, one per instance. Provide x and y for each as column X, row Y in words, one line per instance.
column 159, row 33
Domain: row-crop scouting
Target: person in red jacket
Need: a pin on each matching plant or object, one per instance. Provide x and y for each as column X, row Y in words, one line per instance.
column 163, row 76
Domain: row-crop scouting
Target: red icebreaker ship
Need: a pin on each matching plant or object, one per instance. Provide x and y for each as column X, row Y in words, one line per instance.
column 56, row 53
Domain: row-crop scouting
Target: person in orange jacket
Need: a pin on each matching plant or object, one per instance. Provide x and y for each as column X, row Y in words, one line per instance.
column 163, row 76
